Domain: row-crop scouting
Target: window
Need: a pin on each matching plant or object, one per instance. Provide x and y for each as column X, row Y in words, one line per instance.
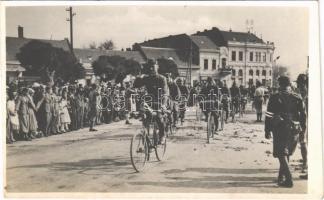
column 240, row 55
column 233, row 72
column 264, row 57
column 205, row 64
column 269, row 72
column 214, row 64
column 258, row 56
column 251, row 56
column 223, row 62
column 264, row 72
column 240, row 72
column 233, row 55
column 257, row 72
column 251, row 72
column 270, row 57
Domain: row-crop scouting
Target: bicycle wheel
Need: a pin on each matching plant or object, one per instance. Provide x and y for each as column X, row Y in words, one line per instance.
column 210, row 126
column 138, row 151
column 160, row 147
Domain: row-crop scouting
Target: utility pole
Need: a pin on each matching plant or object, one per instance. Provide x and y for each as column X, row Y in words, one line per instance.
column 70, row 19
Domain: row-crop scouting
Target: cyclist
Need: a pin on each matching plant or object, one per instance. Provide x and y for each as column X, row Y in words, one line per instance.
column 226, row 94
column 210, row 93
column 244, row 94
column 236, row 96
column 156, row 89
column 174, row 97
column 183, row 98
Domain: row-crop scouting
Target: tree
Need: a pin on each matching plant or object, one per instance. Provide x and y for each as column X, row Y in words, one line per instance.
column 51, row 63
column 278, row 71
column 168, row 66
column 115, row 67
column 107, row 45
column 92, row 45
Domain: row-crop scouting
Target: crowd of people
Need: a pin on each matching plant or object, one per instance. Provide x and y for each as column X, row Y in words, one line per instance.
column 40, row 111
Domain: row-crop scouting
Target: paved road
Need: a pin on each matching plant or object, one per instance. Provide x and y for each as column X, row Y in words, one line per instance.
column 237, row 160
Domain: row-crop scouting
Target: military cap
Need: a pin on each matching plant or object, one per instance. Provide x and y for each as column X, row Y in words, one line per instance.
column 284, row 81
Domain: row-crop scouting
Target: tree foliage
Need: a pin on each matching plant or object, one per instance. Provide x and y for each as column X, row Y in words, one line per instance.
column 92, row 45
column 51, row 63
column 107, row 45
column 115, row 67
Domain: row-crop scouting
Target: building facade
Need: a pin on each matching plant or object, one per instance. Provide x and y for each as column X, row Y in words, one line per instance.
column 249, row 57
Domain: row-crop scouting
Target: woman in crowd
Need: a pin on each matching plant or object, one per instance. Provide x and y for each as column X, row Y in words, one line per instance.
column 12, row 118
column 65, row 116
column 33, row 126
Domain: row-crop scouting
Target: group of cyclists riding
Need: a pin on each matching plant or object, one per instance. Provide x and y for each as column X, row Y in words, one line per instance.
column 164, row 103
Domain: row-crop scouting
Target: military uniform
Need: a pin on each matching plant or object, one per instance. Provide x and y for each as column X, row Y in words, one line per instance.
column 285, row 111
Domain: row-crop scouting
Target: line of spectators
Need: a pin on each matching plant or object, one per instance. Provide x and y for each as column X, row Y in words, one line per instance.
column 40, row 111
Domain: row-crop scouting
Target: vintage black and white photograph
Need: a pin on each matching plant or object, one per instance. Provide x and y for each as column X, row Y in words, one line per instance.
column 158, row 98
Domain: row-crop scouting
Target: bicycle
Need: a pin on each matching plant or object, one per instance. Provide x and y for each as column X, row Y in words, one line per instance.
column 212, row 117
column 143, row 143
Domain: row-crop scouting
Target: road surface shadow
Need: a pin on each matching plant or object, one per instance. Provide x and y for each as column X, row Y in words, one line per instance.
column 95, row 166
column 176, row 178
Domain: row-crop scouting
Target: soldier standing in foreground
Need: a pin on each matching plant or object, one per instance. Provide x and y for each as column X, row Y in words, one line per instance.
column 285, row 119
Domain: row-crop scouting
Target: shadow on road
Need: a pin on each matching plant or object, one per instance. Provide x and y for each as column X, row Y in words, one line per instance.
column 89, row 166
column 177, row 178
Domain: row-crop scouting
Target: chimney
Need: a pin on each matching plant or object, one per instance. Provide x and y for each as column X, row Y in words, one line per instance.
column 20, row 32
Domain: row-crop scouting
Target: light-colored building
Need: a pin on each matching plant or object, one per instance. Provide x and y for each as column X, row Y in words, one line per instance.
column 249, row 57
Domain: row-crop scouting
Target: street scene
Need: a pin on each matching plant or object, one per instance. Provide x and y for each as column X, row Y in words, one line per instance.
column 83, row 161
column 169, row 99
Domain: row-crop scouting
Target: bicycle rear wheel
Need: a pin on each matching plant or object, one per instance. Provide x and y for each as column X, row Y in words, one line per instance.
column 139, row 151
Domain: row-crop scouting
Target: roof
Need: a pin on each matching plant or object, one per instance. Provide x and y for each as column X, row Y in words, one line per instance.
column 240, row 36
column 90, row 55
column 203, row 42
column 13, row 45
column 168, row 53
column 221, row 38
column 14, row 68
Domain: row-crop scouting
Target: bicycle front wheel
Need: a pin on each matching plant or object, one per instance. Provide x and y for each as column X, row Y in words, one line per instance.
column 160, row 146
column 139, row 151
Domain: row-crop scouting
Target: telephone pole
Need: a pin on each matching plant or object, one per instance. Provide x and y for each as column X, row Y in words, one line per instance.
column 70, row 19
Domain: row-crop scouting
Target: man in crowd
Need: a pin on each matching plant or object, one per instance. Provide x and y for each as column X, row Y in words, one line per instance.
column 285, row 119
column 302, row 91
column 258, row 100
column 93, row 106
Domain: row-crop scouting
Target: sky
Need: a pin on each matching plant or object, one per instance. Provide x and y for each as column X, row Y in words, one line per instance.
column 286, row 26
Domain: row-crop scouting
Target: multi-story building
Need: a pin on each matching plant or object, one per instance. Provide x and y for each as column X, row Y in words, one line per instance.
column 249, row 57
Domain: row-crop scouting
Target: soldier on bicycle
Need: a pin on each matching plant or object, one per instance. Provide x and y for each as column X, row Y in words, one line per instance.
column 226, row 94
column 157, row 92
column 236, row 96
column 183, row 98
column 210, row 93
column 174, row 98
